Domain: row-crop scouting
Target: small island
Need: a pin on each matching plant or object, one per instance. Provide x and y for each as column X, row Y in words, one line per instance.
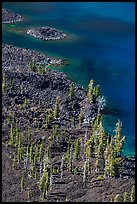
column 46, row 33
column 10, row 17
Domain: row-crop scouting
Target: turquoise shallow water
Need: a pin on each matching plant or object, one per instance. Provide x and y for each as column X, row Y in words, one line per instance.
column 101, row 46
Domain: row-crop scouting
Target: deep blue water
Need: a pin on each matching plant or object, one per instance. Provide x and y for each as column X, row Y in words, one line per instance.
column 102, row 47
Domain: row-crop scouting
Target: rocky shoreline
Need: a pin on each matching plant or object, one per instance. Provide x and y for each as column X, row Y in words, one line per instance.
column 46, row 33
column 10, row 17
column 15, row 63
column 42, row 91
column 20, row 57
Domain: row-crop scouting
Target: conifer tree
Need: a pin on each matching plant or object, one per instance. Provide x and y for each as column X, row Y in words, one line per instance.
column 11, row 135
column 116, row 198
column 17, row 135
column 29, row 135
column 101, row 145
column 71, row 90
column 76, row 148
column 80, row 118
column 28, row 194
column 109, row 160
column 102, row 140
column 90, row 146
column 132, row 195
column 118, row 165
column 3, row 82
column 96, row 90
column 90, row 90
column 56, row 108
column 32, row 65
column 31, row 153
column 12, row 83
column 26, row 101
column 22, row 181
column 118, row 139
column 46, row 185
column 125, row 197
column 40, row 69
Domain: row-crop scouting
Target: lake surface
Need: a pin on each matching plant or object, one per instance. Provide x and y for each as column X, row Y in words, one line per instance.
column 101, row 46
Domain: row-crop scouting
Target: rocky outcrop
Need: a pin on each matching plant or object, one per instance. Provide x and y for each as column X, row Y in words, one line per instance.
column 19, row 57
column 10, row 17
column 46, row 33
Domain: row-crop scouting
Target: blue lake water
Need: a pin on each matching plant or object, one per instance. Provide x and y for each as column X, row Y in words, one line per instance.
column 101, row 46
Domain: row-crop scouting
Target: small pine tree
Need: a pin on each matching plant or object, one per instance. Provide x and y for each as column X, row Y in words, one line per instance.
column 46, row 185
column 55, row 130
column 90, row 146
column 32, row 65
column 90, row 90
column 118, row 139
column 31, row 153
column 3, row 82
column 12, row 83
column 29, row 135
column 19, row 153
column 76, row 148
column 71, row 90
column 125, row 197
column 22, row 181
column 116, row 198
column 109, row 160
column 40, row 69
column 80, row 118
column 56, row 108
column 132, row 195
column 11, row 135
column 118, row 165
column 25, row 101
column 28, row 193
column 96, row 90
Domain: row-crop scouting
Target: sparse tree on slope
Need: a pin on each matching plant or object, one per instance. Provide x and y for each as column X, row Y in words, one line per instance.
column 56, row 108
column 90, row 90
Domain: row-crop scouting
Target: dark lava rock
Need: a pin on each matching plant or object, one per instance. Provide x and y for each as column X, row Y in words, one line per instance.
column 10, row 17
column 46, row 33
